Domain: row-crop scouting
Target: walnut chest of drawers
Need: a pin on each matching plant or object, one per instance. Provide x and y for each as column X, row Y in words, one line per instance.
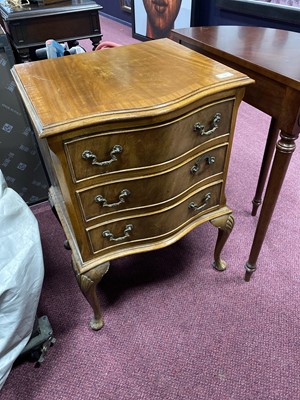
column 137, row 143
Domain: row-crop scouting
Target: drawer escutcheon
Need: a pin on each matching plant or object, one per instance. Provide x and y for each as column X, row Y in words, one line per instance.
column 100, row 199
column 200, row 128
column 108, row 235
column 193, row 206
column 88, row 155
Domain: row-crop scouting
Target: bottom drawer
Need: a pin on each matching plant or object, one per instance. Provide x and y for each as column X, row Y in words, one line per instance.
column 140, row 229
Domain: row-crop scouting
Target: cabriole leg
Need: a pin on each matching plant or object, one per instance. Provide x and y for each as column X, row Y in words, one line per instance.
column 88, row 282
column 225, row 225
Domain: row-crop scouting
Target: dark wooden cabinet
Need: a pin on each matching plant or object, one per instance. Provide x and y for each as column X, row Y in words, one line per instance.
column 29, row 27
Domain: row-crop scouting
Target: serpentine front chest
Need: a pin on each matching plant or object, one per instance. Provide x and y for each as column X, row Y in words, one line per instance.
column 137, row 142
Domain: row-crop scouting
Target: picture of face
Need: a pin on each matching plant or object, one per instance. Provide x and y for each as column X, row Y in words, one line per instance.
column 161, row 15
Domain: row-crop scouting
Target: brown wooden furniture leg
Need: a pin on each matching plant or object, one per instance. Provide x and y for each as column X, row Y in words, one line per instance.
column 88, row 282
column 95, row 41
column 225, row 225
column 24, row 55
column 284, row 150
column 265, row 166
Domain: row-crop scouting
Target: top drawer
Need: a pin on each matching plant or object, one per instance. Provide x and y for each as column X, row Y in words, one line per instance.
column 113, row 152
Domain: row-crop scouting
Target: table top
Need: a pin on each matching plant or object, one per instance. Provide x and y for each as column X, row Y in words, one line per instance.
column 273, row 52
column 125, row 82
column 36, row 9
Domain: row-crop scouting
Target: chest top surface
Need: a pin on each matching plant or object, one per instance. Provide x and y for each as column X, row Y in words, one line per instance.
column 134, row 80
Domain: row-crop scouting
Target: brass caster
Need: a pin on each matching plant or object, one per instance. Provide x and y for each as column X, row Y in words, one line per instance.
column 96, row 324
column 220, row 265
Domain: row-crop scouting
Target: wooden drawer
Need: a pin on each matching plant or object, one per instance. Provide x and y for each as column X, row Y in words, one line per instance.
column 108, row 200
column 139, row 230
column 140, row 148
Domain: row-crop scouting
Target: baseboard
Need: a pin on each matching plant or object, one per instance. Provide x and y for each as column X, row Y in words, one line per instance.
column 120, row 21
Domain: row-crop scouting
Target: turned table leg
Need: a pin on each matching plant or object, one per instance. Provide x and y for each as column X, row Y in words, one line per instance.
column 24, row 55
column 284, row 150
column 225, row 225
column 95, row 41
column 265, row 166
column 88, row 282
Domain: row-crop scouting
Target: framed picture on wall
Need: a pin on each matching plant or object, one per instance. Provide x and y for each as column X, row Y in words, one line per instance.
column 154, row 19
column 126, row 5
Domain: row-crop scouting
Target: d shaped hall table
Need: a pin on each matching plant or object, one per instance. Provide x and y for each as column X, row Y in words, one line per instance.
column 270, row 57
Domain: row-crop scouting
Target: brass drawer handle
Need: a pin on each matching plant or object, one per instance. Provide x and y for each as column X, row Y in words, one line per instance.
column 108, row 235
column 193, row 206
column 100, row 199
column 88, row 155
column 209, row 160
column 198, row 127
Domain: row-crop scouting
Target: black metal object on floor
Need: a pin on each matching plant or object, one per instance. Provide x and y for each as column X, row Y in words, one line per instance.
column 41, row 339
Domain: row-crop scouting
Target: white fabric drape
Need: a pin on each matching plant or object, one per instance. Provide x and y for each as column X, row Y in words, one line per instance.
column 21, row 275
